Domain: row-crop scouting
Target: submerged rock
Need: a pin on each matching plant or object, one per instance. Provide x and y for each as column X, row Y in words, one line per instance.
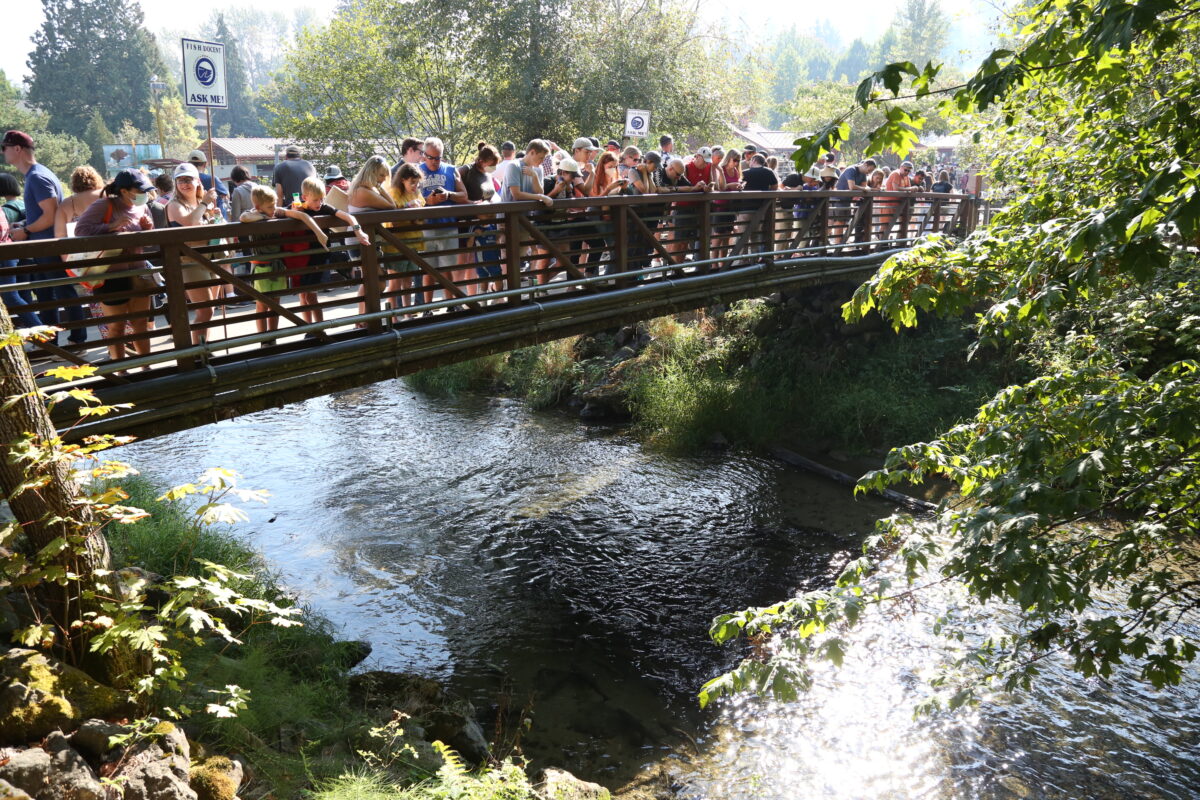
column 435, row 715
column 39, row 695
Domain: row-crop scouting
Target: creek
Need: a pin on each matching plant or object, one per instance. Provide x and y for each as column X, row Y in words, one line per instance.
column 530, row 561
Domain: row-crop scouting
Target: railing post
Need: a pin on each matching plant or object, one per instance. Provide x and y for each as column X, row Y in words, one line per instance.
column 768, row 248
column 706, row 232
column 371, row 278
column 824, row 222
column 177, row 308
column 621, row 232
column 512, row 255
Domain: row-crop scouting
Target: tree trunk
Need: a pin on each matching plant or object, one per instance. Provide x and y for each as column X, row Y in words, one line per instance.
column 52, row 510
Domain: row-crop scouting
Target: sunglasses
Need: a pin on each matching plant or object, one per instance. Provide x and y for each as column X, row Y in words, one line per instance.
column 432, row 158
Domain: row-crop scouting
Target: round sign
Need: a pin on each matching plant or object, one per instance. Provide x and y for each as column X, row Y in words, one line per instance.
column 637, row 123
column 206, row 72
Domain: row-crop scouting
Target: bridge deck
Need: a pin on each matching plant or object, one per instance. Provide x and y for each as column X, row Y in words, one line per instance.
column 440, row 285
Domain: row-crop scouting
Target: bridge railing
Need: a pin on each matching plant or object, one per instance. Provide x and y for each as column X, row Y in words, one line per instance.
column 176, row 298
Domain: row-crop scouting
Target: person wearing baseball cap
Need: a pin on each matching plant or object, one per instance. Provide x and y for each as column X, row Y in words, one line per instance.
column 289, row 176
column 200, row 161
column 124, row 298
column 43, row 194
column 612, row 146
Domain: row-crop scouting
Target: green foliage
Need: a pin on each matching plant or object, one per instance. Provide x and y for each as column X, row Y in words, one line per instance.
column 757, row 380
column 452, row 783
column 1077, row 489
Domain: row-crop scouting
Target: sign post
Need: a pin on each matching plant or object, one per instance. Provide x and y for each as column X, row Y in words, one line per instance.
column 204, row 82
column 637, row 122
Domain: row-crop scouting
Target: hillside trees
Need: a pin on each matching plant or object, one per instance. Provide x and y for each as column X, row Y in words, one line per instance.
column 1079, row 491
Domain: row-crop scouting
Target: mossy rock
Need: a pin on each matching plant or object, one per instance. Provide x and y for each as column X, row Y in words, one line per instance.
column 558, row 784
column 216, row 778
column 39, row 695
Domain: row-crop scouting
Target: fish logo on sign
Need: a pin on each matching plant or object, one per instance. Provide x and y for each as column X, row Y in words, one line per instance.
column 206, row 71
column 637, row 123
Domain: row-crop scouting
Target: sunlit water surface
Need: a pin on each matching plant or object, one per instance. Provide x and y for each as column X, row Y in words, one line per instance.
column 526, row 559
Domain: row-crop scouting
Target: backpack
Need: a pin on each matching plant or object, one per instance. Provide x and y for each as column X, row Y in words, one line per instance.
column 20, row 211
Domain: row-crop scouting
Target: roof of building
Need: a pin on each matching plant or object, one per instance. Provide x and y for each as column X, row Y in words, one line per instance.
column 256, row 148
column 763, row 139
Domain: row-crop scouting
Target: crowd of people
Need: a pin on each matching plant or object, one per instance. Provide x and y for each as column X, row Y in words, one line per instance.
column 470, row 251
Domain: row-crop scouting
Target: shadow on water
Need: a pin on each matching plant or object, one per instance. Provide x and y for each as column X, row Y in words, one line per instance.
column 526, row 559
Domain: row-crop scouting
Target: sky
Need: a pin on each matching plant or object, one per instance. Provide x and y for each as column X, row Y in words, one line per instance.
column 851, row 18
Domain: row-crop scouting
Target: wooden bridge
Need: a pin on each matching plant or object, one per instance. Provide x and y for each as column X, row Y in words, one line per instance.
column 204, row 354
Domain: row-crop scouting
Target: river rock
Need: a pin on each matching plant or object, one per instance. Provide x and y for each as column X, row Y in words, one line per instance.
column 93, row 737
column 157, row 768
column 28, row 770
column 624, row 354
column 558, row 784
column 216, row 778
column 10, row 792
column 354, row 652
column 399, row 691
column 459, row 731
column 71, row 777
column 39, row 694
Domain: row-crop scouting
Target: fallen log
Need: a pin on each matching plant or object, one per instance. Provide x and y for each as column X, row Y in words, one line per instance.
column 797, row 460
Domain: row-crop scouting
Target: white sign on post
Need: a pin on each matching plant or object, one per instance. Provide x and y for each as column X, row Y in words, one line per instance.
column 204, row 74
column 637, row 122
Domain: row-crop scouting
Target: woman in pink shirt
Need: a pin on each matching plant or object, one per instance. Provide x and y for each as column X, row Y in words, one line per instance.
column 122, row 208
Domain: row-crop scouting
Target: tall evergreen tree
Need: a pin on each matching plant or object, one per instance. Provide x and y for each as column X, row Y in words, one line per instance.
column 242, row 114
column 95, row 136
column 93, row 55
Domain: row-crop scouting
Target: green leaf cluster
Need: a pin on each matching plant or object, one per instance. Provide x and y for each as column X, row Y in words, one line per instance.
column 1078, row 499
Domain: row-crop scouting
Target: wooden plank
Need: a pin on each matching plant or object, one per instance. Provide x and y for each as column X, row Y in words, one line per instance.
column 864, row 206
column 512, row 255
column 769, row 224
column 958, row 209
column 267, row 300
column 553, row 249
column 743, row 241
column 415, row 257
column 648, row 235
column 621, row 251
column 177, row 305
column 371, row 279
column 906, row 216
column 806, row 225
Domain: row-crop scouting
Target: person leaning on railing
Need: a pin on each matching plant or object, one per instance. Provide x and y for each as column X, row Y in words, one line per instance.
column 122, row 209
column 192, row 206
column 13, row 211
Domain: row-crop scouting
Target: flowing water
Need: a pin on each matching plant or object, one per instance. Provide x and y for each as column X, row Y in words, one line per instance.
column 530, row 561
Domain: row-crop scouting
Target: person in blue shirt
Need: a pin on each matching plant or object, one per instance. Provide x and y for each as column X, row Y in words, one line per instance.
column 43, row 193
column 200, row 162
column 441, row 185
